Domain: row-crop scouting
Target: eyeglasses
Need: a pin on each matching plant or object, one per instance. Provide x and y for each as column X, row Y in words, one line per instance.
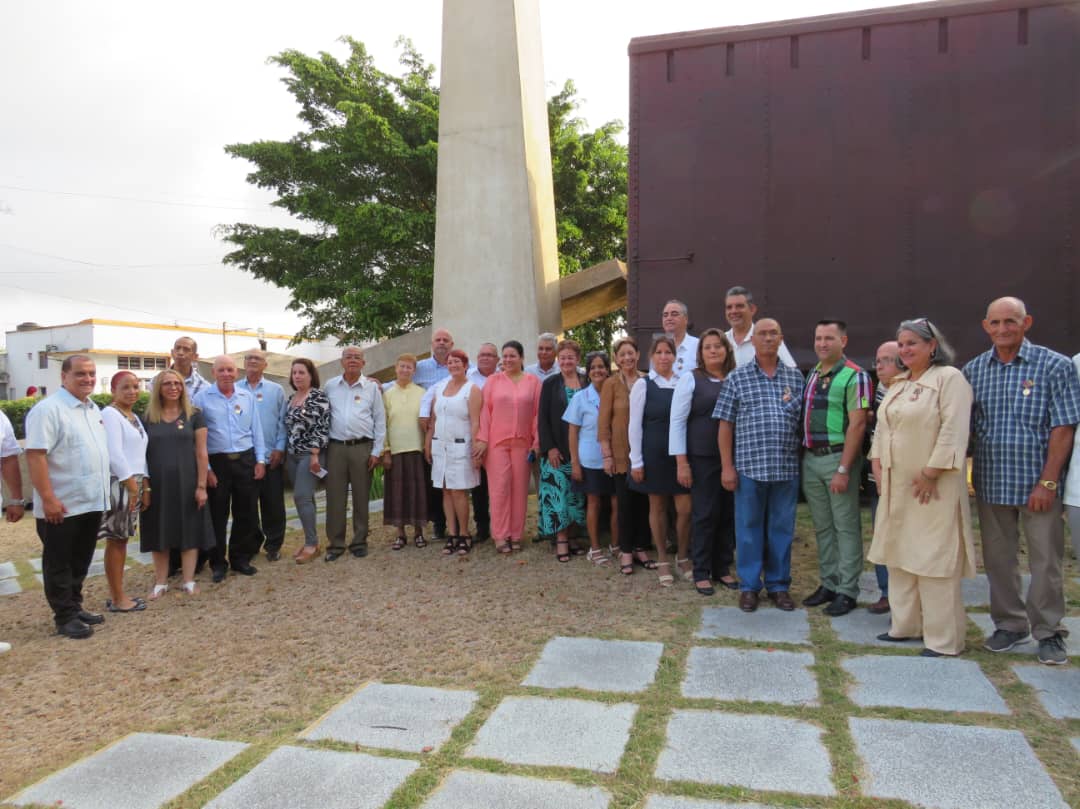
column 172, row 384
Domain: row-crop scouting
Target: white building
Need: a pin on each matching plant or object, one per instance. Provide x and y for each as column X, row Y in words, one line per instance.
column 35, row 353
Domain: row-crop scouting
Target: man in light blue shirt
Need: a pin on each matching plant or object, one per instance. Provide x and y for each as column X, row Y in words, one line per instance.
column 68, row 456
column 238, row 455
column 270, row 402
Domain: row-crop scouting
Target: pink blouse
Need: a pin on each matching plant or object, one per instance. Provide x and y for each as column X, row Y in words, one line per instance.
column 509, row 409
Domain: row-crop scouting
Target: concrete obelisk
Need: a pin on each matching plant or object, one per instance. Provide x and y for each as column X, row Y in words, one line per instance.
column 496, row 261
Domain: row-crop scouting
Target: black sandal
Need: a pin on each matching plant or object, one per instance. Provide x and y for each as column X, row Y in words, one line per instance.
column 464, row 545
column 565, row 555
column 399, row 543
column 647, row 563
column 450, row 546
column 419, row 541
column 627, row 568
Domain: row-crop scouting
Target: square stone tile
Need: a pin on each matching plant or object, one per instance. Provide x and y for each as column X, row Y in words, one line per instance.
column 302, row 778
column 35, row 564
column 395, row 717
column 9, row 587
column 772, row 752
column 862, row 627
column 7, row 570
column 556, row 733
column 481, row 790
column 1057, row 687
column 120, row 775
column 975, row 592
column 596, row 665
column 767, row 625
column 754, row 675
column 141, row 558
column 1031, row 647
column 947, row 766
column 937, row 684
column 673, row 802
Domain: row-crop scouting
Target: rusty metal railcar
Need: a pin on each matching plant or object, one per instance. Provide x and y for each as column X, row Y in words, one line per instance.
column 900, row 162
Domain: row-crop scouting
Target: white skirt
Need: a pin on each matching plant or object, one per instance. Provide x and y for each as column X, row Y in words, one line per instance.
column 452, row 466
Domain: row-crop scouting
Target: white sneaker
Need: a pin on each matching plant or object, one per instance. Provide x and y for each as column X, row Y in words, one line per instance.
column 4, row 647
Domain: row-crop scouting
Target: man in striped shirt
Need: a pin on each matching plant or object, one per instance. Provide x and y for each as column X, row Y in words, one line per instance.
column 836, row 399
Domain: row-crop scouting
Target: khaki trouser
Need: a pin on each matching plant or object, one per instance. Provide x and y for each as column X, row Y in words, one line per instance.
column 928, row 606
column 347, row 466
column 1045, row 535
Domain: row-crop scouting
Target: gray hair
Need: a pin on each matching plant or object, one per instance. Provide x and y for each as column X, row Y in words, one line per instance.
column 738, row 290
column 547, row 337
column 680, row 304
column 923, row 328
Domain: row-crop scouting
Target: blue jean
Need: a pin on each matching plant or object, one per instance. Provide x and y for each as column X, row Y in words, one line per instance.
column 304, row 485
column 765, row 510
column 880, row 571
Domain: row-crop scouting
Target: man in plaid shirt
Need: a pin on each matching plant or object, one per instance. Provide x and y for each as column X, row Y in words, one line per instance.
column 758, row 408
column 1027, row 405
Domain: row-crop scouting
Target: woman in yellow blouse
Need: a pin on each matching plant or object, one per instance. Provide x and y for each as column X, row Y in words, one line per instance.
column 405, row 490
column 922, row 530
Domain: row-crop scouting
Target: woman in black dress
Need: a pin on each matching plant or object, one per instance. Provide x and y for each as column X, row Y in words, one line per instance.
column 176, row 461
column 652, row 469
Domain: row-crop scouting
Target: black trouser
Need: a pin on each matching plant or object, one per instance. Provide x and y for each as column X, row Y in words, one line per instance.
column 270, row 524
column 712, row 516
column 68, row 551
column 236, row 489
column 634, row 534
column 480, row 506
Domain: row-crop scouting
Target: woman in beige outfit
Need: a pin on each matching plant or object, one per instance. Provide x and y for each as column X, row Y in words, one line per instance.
column 923, row 525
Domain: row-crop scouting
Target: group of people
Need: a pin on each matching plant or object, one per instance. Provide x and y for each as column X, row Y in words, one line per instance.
column 712, row 445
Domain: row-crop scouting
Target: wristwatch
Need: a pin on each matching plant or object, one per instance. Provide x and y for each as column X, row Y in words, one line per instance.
column 842, row 470
column 1049, row 484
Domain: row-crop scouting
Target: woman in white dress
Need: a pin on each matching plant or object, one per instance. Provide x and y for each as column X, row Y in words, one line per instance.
column 455, row 419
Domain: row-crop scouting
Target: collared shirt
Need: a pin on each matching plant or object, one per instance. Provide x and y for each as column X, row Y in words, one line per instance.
column 584, row 411
column 638, row 393
column 744, row 351
column 540, row 373
column 681, row 400
column 270, row 401
column 685, row 357
column 428, row 372
column 356, row 411
column 765, row 412
column 1017, row 404
column 232, row 422
column 76, row 449
column 195, row 383
column 8, row 444
column 829, row 398
column 1072, row 483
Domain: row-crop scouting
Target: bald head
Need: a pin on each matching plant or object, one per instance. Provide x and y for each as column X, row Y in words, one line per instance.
column 224, row 372
column 442, row 343
column 767, row 339
column 1008, row 303
column 1006, row 324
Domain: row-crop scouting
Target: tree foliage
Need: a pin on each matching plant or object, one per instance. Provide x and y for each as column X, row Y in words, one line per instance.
column 360, row 176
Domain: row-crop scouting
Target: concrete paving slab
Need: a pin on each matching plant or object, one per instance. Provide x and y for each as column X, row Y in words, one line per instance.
column 302, row 778
column 947, row 766
column 7, row 570
column 119, row 774
column 9, row 587
column 396, row 717
column 672, row 802
column 1057, row 687
column 772, row 752
column 142, row 558
column 860, row 626
column 481, row 790
column 937, row 684
column 767, row 625
column 99, row 555
column 556, row 733
column 596, row 665
column 975, row 592
column 1031, row 647
column 754, row 675
column 35, row 564
column 1076, row 743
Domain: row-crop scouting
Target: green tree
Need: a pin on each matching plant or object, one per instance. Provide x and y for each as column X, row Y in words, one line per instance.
column 361, row 178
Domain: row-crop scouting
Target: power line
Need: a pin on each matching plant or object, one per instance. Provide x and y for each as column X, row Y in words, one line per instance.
column 145, row 200
column 99, row 265
column 113, row 305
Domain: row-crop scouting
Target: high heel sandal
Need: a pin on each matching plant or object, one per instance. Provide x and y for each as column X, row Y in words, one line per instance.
column 563, row 555
column 464, row 545
column 646, row 562
column 597, row 557
column 450, row 546
column 687, row 575
column 626, row 567
column 666, row 579
column 419, row 541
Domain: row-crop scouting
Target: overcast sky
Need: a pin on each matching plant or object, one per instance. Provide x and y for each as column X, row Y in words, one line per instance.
column 113, row 116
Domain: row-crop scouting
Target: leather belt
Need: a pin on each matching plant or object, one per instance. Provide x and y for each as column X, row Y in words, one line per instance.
column 349, row 442
column 831, row 449
column 233, row 456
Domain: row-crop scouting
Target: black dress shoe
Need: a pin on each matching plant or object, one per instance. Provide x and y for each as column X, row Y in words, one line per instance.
column 887, row 637
column 75, row 629
column 930, row 653
column 244, row 568
column 273, row 556
column 841, row 605
column 707, row 590
column 332, row 556
column 218, row 575
column 91, row 617
column 359, row 553
column 820, row 596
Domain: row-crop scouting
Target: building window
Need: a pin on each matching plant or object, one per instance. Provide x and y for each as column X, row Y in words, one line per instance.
column 124, row 363
column 43, row 360
column 161, row 363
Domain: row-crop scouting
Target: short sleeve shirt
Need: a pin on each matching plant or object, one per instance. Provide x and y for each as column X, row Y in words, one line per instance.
column 583, row 411
column 8, row 445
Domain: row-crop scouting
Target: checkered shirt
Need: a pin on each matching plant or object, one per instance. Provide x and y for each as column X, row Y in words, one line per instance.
column 1016, row 406
column 428, row 372
column 766, row 416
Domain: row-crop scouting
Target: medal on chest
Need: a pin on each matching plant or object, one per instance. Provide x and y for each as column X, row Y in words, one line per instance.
column 787, row 395
column 237, row 409
column 1027, row 387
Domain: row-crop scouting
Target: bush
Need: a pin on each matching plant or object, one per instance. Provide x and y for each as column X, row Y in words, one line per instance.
column 16, row 409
